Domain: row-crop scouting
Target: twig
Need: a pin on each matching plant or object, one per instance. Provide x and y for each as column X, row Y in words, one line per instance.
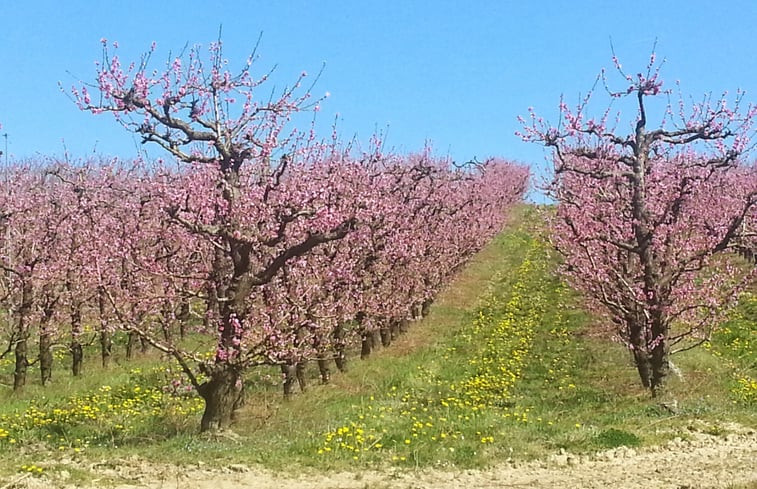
column 14, row 482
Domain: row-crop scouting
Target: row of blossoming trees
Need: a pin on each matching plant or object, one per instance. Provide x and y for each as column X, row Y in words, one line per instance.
column 651, row 221
column 274, row 247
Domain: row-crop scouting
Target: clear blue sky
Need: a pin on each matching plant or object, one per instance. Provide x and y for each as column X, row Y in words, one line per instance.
column 456, row 73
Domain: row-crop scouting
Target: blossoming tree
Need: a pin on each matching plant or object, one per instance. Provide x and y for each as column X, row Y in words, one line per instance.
column 252, row 222
column 643, row 218
column 191, row 111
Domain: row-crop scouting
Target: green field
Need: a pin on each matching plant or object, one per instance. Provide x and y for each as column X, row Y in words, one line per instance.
column 506, row 366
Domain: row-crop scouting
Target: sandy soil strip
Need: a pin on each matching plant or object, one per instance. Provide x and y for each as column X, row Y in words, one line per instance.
column 703, row 461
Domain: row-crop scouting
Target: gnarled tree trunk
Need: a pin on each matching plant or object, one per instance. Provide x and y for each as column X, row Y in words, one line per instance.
column 660, row 356
column 222, row 394
column 639, row 351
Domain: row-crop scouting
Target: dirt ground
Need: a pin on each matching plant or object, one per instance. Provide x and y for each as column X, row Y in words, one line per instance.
column 701, row 461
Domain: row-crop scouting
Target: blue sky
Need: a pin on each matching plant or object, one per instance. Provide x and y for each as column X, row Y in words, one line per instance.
column 450, row 72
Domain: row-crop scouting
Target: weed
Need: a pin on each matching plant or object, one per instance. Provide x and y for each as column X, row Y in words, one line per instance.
column 613, row 438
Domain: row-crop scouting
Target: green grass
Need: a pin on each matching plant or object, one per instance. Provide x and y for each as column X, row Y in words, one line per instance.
column 507, row 365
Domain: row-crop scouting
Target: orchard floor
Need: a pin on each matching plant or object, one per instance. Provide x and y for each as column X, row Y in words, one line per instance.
column 703, row 461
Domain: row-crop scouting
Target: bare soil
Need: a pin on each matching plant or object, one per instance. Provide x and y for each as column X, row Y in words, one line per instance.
column 700, row 461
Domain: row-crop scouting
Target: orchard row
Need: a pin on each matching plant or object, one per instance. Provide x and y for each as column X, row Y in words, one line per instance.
column 317, row 255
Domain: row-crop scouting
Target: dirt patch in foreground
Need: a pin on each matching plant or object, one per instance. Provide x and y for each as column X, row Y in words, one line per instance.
column 703, row 461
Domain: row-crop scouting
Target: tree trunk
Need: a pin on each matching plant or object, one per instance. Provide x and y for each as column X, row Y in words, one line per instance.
column 239, row 404
column 394, row 330
column 302, row 380
column 106, row 343
column 289, row 377
column 77, row 351
column 366, row 345
column 642, row 229
column 426, row 307
column 340, row 360
column 183, row 317
column 182, row 329
column 416, row 312
column 386, row 336
column 643, row 366
column 45, row 355
column 639, row 350
column 222, row 394
column 168, row 322
column 106, row 347
column 130, row 343
column 215, row 289
column 323, row 368
column 404, row 325
column 22, row 362
column 340, row 355
column 22, row 333
column 660, row 361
